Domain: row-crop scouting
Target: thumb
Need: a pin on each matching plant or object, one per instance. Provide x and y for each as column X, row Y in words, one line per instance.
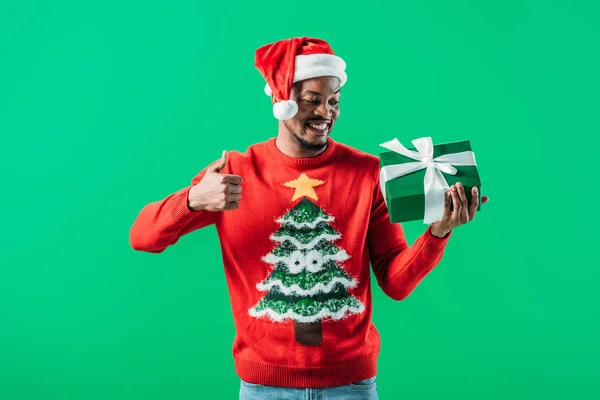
column 219, row 164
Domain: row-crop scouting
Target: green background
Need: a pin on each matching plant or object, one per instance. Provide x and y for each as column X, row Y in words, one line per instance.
column 107, row 106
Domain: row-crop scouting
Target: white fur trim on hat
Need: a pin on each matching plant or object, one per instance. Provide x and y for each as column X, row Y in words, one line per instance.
column 314, row 65
column 285, row 109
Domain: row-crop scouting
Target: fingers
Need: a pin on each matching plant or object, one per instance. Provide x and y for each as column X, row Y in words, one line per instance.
column 460, row 189
column 461, row 211
column 456, row 206
column 234, row 189
column 233, row 195
column 447, row 205
column 474, row 203
column 464, row 204
column 224, row 159
column 232, row 179
column 219, row 164
column 234, row 205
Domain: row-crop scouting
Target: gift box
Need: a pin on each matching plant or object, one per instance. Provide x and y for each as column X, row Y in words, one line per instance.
column 414, row 180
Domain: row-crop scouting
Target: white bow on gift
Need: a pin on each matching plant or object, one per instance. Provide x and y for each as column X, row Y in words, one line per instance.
column 435, row 184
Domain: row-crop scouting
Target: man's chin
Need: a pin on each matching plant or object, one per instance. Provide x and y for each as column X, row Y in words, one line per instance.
column 317, row 139
column 313, row 142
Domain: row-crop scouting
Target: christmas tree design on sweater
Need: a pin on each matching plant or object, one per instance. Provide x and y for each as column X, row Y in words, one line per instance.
column 307, row 283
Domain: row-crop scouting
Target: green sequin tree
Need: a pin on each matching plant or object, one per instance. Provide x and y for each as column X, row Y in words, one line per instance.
column 307, row 284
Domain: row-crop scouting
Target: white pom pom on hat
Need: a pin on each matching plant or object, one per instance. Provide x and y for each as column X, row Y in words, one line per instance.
column 285, row 109
column 291, row 60
column 268, row 90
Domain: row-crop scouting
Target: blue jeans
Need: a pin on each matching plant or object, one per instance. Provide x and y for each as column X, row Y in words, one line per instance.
column 362, row 390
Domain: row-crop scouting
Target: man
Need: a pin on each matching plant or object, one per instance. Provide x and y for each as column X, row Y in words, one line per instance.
column 297, row 248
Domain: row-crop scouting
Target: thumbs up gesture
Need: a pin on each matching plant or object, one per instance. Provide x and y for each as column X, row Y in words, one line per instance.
column 216, row 191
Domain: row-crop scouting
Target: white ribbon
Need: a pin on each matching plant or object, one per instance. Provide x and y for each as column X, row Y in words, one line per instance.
column 434, row 183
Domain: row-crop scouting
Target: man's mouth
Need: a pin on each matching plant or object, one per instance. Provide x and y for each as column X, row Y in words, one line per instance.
column 318, row 127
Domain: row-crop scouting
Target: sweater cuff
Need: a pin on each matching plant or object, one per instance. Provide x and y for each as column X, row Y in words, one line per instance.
column 180, row 209
column 434, row 245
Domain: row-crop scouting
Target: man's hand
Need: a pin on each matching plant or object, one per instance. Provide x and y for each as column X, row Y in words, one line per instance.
column 456, row 210
column 216, row 191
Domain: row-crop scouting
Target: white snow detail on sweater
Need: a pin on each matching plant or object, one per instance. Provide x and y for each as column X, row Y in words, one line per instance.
column 273, row 259
column 299, row 225
column 296, row 289
column 324, row 313
column 309, row 245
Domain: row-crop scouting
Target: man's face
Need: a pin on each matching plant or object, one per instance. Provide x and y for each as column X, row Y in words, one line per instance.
column 318, row 108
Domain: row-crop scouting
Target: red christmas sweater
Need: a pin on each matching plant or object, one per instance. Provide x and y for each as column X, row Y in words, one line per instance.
column 296, row 255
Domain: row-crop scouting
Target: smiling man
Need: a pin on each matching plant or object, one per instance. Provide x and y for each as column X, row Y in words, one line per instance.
column 297, row 250
column 318, row 108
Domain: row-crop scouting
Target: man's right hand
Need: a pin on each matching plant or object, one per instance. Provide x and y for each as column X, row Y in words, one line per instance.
column 216, row 191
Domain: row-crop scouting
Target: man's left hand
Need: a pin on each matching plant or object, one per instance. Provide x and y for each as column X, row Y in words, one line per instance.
column 456, row 210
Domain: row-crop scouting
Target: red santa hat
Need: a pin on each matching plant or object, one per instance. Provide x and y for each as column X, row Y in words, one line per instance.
column 288, row 61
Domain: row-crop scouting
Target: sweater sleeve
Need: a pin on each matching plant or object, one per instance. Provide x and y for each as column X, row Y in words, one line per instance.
column 161, row 223
column 398, row 267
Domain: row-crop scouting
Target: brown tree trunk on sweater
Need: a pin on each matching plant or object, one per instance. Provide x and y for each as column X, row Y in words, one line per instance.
column 308, row 334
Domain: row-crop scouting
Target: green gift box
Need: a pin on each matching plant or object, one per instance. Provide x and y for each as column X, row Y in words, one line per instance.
column 415, row 179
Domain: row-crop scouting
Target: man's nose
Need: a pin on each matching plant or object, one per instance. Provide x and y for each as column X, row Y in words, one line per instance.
column 323, row 109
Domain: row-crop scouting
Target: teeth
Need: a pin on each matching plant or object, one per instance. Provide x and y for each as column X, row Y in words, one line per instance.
column 321, row 127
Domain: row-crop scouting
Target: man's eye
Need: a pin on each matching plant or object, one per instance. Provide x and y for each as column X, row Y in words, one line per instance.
column 311, row 101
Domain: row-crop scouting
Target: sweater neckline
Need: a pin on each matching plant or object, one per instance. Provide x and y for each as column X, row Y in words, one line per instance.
column 331, row 145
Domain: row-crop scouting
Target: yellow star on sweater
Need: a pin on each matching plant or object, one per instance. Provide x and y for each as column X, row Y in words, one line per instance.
column 304, row 187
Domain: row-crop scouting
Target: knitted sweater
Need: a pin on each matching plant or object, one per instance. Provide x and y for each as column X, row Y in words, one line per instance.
column 296, row 255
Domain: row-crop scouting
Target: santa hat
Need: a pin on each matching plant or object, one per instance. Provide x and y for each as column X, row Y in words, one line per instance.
column 288, row 61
